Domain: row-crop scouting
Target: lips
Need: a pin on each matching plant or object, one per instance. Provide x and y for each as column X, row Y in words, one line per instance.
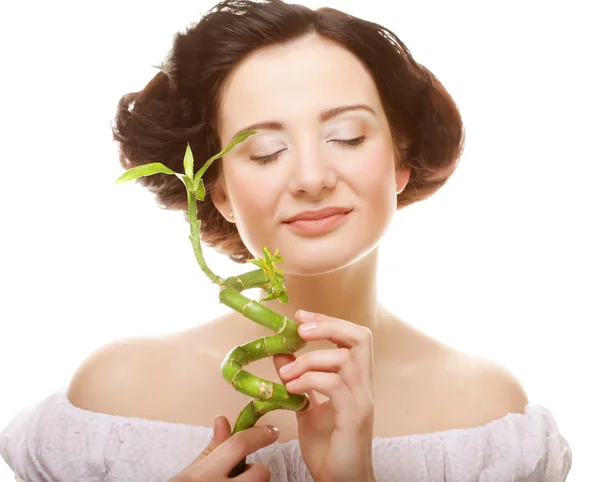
column 318, row 214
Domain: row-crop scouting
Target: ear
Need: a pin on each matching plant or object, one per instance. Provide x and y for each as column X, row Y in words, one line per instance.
column 402, row 177
column 220, row 198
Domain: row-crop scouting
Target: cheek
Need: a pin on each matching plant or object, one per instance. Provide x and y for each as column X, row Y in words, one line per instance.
column 374, row 171
column 251, row 201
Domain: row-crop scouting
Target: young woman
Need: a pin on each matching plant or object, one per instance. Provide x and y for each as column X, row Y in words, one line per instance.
column 351, row 129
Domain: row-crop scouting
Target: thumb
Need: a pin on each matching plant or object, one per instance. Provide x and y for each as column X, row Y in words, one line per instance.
column 282, row 359
column 221, row 432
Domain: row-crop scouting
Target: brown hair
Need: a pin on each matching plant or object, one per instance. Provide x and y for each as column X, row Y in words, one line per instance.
column 180, row 104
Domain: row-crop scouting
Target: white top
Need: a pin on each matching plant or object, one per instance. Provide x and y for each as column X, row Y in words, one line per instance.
column 53, row 440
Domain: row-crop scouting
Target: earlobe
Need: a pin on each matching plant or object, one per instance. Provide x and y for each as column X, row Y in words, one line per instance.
column 402, row 177
column 220, row 200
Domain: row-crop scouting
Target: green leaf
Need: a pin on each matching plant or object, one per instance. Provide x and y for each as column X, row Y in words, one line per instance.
column 188, row 162
column 145, row 170
column 188, row 182
column 241, row 137
column 275, row 286
column 200, row 190
column 196, row 183
column 267, row 253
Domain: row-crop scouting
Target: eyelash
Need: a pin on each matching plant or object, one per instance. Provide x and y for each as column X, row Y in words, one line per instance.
column 349, row 142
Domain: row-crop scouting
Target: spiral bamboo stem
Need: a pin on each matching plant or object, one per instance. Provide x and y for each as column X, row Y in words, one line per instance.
column 266, row 395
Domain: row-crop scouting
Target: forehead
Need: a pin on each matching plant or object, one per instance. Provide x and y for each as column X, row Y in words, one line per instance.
column 293, row 83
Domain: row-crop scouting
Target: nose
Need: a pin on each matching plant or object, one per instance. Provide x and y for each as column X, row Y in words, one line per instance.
column 313, row 173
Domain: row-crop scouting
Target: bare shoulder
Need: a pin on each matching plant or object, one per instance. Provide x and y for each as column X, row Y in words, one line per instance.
column 146, row 377
column 485, row 390
column 442, row 388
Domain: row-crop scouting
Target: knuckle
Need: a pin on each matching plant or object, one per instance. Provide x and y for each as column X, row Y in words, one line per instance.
column 367, row 408
column 335, row 381
column 355, row 378
column 300, row 362
column 345, row 355
column 304, row 378
column 366, row 334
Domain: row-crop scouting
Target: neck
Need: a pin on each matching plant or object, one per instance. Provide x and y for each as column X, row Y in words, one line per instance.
column 349, row 293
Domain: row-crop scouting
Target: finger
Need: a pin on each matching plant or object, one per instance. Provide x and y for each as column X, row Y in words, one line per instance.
column 313, row 401
column 332, row 360
column 221, row 432
column 341, row 332
column 241, row 444
column 345, row 335
column 338, row 361
column 282, row 359
column 350, row 411
column 330, row 385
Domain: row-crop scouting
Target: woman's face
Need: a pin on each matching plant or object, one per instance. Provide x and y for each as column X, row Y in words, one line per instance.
column 309, row 169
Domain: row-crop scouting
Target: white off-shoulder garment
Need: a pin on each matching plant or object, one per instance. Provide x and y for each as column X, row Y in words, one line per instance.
column 54, row 441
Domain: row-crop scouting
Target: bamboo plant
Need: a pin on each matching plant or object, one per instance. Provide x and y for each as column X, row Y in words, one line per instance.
column 266, row 395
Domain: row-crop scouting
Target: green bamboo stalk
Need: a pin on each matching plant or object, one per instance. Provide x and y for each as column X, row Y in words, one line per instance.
column 266, row 395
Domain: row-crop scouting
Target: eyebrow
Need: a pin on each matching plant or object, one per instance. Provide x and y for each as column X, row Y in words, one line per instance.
column 324, row 116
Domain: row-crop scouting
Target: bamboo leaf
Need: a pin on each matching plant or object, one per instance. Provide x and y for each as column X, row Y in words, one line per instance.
column 200, row 192
column 196, row 183
column 241, row 137
column 266, row 252
column 145, row 170
column 236, row 140
column 256, row 262
column 188, row 162
column 188, row 182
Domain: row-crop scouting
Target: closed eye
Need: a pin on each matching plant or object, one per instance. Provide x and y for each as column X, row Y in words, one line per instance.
column 266, row 159
column 351, row 142
column 272, row 157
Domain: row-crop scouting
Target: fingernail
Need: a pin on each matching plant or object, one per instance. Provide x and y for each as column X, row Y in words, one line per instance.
column 308, row 327
column 305, row 315
column 215, row 425
column 274, row 430
column 286, row 368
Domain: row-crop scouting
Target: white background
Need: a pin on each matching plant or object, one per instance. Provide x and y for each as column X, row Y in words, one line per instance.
column 502, row 262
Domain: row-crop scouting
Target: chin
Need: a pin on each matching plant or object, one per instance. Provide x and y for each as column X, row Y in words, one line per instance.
column 305, row 259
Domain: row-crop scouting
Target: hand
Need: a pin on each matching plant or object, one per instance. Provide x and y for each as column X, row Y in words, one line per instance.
column 225, row 451
column 336, row 436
